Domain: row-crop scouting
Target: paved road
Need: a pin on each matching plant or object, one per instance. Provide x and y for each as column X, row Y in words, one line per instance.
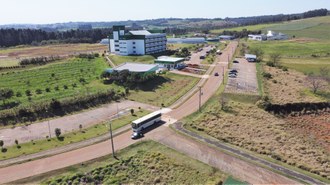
column 210, row 86
column 68, row 123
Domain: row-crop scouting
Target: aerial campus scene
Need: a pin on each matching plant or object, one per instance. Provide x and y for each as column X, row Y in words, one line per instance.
column 165, row 92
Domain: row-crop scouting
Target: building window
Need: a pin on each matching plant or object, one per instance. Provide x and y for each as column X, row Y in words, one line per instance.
column 117, row 49
column 134, row 51
column 133, row 42
column 134, row 47
column 116, row 45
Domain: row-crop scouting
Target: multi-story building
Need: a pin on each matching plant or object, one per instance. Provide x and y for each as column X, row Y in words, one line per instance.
column 140, row 42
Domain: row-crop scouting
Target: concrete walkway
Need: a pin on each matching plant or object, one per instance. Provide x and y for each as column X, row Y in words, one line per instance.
column 109, row 61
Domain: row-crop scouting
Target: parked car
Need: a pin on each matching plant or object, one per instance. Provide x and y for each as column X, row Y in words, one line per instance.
column 136, row 135
column 235, row 61
column 232, row 75
column 202, row 57
column 216, row 74
column 233, row 71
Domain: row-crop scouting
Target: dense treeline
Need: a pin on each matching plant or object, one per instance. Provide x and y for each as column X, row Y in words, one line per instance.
column 297, row 108
column 56, row 108
column 14, row 37
column 39, row 60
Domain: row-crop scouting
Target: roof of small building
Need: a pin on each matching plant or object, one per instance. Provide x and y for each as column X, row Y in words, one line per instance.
column 140, row 32
column 168, row 59
column 250, row 56
column 136, row 67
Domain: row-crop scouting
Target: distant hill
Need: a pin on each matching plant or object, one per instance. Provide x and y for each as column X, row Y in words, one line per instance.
column 190, row 24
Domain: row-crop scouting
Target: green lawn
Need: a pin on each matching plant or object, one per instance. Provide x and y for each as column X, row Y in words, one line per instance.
column 8, row 62
column 145, row 162
column 307, row 65
column 72, row 77
column 165, row 89
column 117, row 59
column 73, row 137
column 231, row 181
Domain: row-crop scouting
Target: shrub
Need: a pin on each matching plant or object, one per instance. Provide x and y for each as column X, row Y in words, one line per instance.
column 38, row 91
column 56, row 88
column 65, row 87
column 28, row 93
column 270, row 64
column 18, row 94
column 267, row 75
column 47, row 89
column 58, row 132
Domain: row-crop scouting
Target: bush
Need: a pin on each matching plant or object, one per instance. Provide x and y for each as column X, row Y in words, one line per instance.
column 38, row 91
column 28, row 93
column 271, row 64
column 58, row 132
column 267, row 75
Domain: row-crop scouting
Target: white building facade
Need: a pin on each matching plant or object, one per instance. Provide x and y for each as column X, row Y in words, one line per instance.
column 139, row 42
column 257, row 37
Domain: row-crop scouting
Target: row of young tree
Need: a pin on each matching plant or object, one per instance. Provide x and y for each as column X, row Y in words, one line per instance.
column 14, row 37
column 39, row 60
column 126, row 78
column 43, row 110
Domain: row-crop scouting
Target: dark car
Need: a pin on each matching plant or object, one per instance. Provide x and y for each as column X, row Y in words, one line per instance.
column 216, row 74
column 232, row 75
column 136, row 135
column 233, row 71
column 202, row 57
column 235, row 61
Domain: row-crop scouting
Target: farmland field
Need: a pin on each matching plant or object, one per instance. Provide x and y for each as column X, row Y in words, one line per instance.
column 287, row 140
column 59, row 80
column 117, row 59
column 143, row 163
column 14, row 54
column 165, row 89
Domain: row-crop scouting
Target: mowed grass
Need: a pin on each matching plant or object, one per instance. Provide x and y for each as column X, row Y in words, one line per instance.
column 145, row 162
column 117, row 59
column 72, row 77
column 293, row 48
column 307, row 65
column 4, row 62
column 69, row 138
column 165, row 89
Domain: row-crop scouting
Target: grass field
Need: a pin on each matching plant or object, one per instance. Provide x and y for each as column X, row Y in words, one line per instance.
column 12, row 55
column 73, row 137
column 244, row 125
column 117, row 59
column 165, row 89
column 317, row 28
column 142, row 163
column 64, row 79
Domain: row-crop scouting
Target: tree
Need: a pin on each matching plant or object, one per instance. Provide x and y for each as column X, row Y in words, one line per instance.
column 132, row 112
column 6, row 94
column 316, row 83
column 1, row 143
column 275, row 58
column 259, row 53
column 58, row 132
column 324, row 71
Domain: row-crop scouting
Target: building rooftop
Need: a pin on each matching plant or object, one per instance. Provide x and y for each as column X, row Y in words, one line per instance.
column 140, row 32
column 136, row 67
column 187, row 40
column 169, row 59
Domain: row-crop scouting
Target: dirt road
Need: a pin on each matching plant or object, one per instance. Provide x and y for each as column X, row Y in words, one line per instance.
column 68, row 123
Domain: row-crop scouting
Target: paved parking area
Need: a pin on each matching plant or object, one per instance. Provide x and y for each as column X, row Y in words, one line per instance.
column 246, row 80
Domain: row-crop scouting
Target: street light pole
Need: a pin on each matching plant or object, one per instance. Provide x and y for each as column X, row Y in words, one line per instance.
column 111, row 138
column 223, row 75
column 200, row 98
column 50, row 135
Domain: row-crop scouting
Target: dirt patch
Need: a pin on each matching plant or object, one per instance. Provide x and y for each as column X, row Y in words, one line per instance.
column 316, row 126
column 287, row 86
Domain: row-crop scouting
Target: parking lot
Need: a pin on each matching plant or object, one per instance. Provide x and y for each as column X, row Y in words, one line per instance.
column 245, row 80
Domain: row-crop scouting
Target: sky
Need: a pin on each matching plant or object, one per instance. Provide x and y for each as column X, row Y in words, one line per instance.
column 59, row 11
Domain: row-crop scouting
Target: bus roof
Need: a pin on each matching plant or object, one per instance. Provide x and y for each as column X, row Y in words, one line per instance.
column 147, row 117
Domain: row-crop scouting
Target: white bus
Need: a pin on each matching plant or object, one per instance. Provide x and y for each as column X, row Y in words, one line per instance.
column 146, row 121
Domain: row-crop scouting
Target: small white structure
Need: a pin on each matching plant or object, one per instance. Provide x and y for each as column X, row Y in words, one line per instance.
column 250, row 57
column 169, row 62
column 257, row 37
column 271, row 35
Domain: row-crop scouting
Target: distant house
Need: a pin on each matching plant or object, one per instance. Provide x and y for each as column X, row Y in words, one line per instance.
column 169, row 62
column 140, row 42
column 250, row 57
column 257, row 37
column 226, row 37
column 276, row 36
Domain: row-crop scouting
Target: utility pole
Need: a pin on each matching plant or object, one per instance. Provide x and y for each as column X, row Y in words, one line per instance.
column 111, row 138
column 50, row 134
column 200, row 98
column 223, row 75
